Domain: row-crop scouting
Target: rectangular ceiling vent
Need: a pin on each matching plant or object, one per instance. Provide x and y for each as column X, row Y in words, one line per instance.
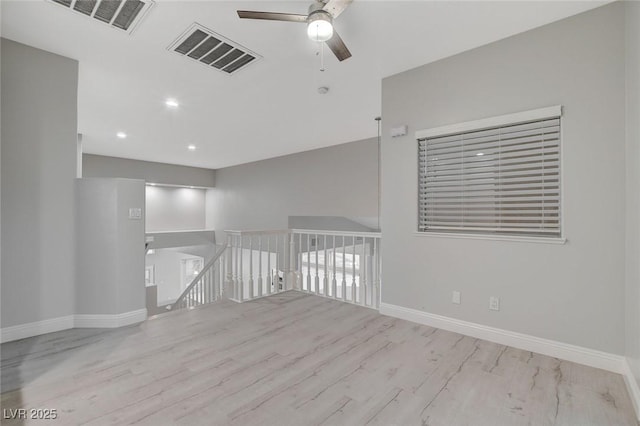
column 124, row 15
column 210, row 49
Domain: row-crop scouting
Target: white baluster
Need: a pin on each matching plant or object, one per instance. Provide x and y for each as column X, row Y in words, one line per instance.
column 212, row 283
column 353, row 272
column 325, row 281
column 300, row 270
column 309, row 287
column 285, row 262
column 260, row 266
column 229, row 285
column 219, row 284
column 375, row 290
column 292, row 276
column 251, row 289
column 269, row 273
column 276, row 284
column 241, row 270
column 205, row 287
column 213, row 273
column 219, row 278
column 334, row 286
column 234, row 258
column 363, row 273
column 317, row 280
column 344, row 268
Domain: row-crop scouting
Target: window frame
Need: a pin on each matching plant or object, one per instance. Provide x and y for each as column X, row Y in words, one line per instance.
column 482, row 124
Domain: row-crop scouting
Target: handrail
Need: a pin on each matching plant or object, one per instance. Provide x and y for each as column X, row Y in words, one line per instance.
column 337, row 233
column 258, row 232
column 193, row 283
column 305, row 231
column 344, row 265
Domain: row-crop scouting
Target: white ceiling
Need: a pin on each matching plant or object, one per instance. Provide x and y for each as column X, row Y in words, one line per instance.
column 272, row 107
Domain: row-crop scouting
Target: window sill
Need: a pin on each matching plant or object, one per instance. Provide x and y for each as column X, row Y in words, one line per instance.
column 514, row 238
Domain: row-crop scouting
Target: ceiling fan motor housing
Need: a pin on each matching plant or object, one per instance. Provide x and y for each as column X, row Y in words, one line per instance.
column 317, row 15
column 317, row 6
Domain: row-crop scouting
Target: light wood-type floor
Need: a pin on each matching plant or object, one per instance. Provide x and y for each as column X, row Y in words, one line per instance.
column 297, row 359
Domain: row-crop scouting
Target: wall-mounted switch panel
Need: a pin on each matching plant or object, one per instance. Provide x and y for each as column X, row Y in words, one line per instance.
column 135, row 213
column 396, row 132
column 494, row 303
column 456, row 298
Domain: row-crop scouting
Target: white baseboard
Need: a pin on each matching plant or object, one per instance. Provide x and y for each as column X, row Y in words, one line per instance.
column 577, row 354
column 632, row 387
column 110, row 321
column 22, row 331
column 37, row 328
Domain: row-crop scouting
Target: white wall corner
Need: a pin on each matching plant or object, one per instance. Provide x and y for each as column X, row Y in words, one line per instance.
column 564, row 351
column 632, row 387
column 37, row 328
column 109, row 320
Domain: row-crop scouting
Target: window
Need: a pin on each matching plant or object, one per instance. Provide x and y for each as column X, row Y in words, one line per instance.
column 495, row 176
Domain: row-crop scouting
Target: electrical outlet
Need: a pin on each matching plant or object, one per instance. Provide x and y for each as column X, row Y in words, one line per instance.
column 494, row 303
column 456, row 297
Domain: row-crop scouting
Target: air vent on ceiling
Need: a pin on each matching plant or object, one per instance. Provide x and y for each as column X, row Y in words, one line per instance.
column 121, row 14
column 213, row 50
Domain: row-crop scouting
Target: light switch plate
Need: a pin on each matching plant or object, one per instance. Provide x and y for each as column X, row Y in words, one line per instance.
column 456, row 297
column 135, row 213
column 494, row 303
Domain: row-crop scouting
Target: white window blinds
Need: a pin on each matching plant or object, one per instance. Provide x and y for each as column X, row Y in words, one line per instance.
column 501, row 180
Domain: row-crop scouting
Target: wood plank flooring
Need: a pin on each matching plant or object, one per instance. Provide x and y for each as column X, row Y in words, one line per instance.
column 297, row 359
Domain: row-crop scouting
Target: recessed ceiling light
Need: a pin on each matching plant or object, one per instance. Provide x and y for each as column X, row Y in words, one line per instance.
column 121, row 135
column 480, row 154
column 191, row 147
column 172, row 103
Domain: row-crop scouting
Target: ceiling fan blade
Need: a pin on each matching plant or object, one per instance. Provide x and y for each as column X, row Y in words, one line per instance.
column 272, row 16
column 338, row 47
column 336, row 7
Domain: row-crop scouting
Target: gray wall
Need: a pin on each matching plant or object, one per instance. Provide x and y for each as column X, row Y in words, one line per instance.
column 633, row 186
column 341, row 180
column 103, row 166
column 572, row 293
column 175, row 209
column 39, row 139
column 181, row 239
column 110, row 268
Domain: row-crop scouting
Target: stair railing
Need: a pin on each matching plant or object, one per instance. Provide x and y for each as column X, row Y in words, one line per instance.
column 340, row 265
column 207, row 286
column 259, row 264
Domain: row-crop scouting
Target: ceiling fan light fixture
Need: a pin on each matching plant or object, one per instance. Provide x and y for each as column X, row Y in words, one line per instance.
column 320, row 27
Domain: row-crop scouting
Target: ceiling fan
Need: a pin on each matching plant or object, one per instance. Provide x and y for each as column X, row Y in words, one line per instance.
column 319, row 22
